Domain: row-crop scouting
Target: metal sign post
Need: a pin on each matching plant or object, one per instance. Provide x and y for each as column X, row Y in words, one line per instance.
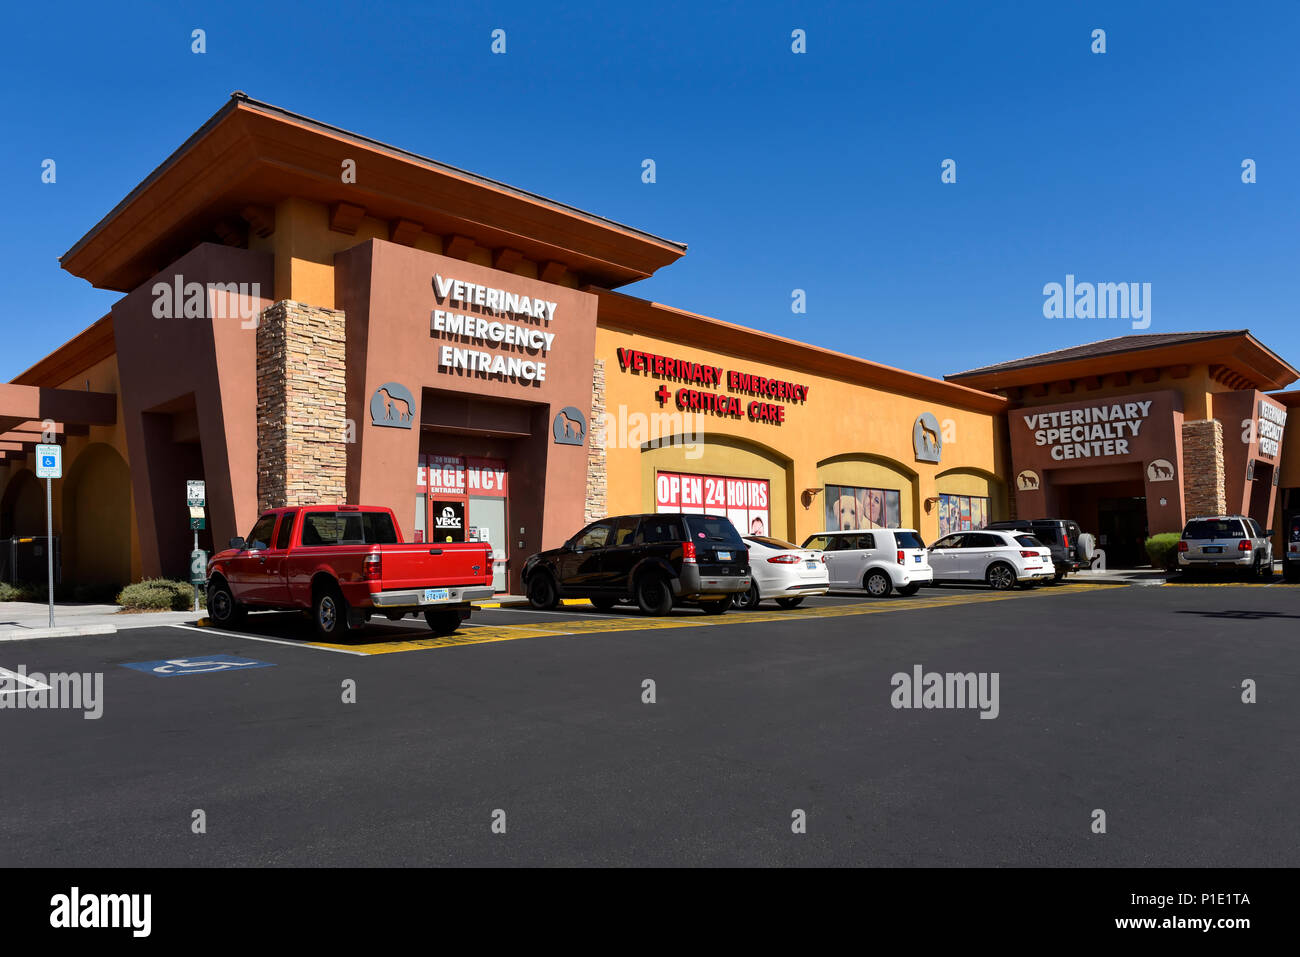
column 49, row 466
column 196, row 499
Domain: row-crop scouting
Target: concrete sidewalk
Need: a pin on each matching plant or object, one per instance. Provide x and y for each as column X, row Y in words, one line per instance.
column 24, row 619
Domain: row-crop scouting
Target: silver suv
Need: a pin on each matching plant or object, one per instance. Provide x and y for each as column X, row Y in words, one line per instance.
column 1226, row 542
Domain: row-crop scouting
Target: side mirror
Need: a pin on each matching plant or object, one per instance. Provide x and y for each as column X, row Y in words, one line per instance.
column 1268, row 533
column 237, row 543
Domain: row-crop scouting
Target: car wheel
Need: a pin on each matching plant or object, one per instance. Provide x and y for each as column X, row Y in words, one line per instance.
column 716, row 606
column 1291, row 571
column 790, row 602
column 542, row 593
column 653, row 596
column 748, row 601
column 442, row 621
column 1059, row 576
column 223, row 610
column 877, row 584
column 604, row 602
column 1000, row 576
column 329, row 613
column 907, row 591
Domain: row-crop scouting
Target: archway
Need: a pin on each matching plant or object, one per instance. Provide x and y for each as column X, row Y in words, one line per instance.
column 97, row 518
column 864, row 490
column 22, row 508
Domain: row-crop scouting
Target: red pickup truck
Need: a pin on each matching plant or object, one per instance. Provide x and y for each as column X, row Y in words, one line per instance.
column 345, row 563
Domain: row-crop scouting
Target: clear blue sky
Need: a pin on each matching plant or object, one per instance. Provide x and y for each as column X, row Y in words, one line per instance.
column 818, row 171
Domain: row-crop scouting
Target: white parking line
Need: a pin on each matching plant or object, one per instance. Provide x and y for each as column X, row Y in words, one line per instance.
column 272, row 641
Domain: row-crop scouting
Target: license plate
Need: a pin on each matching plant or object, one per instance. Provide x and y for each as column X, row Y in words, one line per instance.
column 436, row 594
column 724, row 556
column 1212, row 549
column 811, row 564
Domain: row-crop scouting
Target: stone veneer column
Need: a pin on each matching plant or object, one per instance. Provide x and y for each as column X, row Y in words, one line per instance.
column 595, row 507
column 301, row 408
column 1204, row 487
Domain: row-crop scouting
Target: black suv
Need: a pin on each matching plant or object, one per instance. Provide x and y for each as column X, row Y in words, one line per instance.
column 655, row 560
column 1059, row 534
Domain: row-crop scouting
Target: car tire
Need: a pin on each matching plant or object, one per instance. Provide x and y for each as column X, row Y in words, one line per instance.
column 907, row 591
column 542, row 593
column 715, row 606
column 1263, row 570
column 223, row 610
column 442, row 621
column 329, row 613
column 877, row 584
column 653, row 595
column 604, row 602
column 1000, row 576
column 748, row 601
column 1291, row 571
column 1059, row 577
column 790, row 602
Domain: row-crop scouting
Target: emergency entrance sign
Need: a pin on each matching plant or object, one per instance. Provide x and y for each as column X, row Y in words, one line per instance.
column 49, row 461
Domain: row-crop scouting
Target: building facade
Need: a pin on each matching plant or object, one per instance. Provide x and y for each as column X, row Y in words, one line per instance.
column 311, row 316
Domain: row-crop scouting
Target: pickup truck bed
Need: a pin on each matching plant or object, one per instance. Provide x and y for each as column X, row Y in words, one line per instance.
column 344, row 563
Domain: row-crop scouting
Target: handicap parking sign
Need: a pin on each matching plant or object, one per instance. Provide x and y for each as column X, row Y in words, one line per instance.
column 202, row 665
column 49, row 461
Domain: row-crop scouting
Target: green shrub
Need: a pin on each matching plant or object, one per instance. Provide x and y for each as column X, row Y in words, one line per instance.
column 1162, row 549
column 159, row 594
column 21, row 592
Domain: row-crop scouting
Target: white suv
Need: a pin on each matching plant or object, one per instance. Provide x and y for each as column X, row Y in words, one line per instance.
column 999, row 559
column 878, row 559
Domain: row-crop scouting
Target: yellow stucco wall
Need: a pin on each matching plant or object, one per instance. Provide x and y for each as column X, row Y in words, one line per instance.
column 846, row 433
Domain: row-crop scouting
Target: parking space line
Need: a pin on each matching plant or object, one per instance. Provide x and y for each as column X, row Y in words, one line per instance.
column 272, row 641
column 582, row 627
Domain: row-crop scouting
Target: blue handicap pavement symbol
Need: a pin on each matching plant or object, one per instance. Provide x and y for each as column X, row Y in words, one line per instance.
column 202, row 665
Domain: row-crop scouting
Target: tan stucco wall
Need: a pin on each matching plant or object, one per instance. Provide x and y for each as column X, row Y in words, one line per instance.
column 845, row 432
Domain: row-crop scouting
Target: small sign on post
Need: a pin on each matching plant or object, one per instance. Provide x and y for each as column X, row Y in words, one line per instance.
column 49, row 466
column 196, row 496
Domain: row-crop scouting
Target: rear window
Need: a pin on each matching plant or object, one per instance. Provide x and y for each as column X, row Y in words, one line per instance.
column 1029, row 541
column 1050, row 534
column 908, row 540
column 348, row 528
column 770, row 542
column 712, row 528
column 660, row 528
column 1215, row 528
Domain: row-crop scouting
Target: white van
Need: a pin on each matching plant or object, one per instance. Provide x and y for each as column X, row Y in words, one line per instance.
column 878, row 559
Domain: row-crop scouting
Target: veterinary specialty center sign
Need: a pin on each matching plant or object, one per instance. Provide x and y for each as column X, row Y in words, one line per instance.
column 498, row 334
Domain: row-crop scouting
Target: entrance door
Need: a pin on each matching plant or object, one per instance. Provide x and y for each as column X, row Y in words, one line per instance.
column 1122, row 524
column 488, row 516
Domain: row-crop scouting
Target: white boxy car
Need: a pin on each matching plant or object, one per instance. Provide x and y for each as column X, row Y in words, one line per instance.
column 781, row 571
column 999, row 559
column 879, row 560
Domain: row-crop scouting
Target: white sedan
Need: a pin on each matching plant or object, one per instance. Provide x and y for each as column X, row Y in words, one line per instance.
column 784, row 572
column 999, row 559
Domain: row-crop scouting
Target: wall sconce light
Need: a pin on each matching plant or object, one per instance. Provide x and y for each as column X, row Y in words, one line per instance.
column 808, row 495
column 930, row 503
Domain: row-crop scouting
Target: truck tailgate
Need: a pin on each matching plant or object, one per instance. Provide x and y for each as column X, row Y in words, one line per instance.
column 434, row 565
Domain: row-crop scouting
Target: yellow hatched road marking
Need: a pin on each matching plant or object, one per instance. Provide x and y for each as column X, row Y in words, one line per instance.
column 484, row 634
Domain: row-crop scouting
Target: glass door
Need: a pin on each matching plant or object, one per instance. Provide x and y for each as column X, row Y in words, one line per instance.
column 487, row 523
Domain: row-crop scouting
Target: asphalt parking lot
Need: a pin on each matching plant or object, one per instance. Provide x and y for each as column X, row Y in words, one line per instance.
column 1121, row 699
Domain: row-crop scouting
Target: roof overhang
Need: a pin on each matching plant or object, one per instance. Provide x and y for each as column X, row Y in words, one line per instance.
column 1239, row 357
column 253, row 154
column 619, row 311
